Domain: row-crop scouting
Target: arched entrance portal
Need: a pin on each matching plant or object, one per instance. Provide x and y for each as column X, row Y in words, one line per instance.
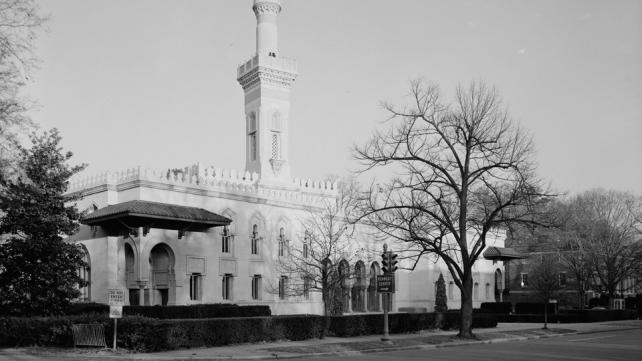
column 130, row 275
column 499, row 285
column 162, row 269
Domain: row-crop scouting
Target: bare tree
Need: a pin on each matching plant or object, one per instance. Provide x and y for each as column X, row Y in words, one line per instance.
column 320, row 262
column 463, row 171
column 19, row 23
column 607, row 227
column 545, row 280
column 573, row 256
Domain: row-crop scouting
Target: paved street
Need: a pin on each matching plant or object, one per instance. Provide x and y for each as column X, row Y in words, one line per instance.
column 618, row 345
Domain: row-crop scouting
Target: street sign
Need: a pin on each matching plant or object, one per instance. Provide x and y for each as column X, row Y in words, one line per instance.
column 116, row 297
column 115, row 311
column 386, row 283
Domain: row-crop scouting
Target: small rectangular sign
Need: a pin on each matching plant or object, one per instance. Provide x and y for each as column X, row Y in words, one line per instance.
column 115, row 311
column 386, row 283
column 116, row 297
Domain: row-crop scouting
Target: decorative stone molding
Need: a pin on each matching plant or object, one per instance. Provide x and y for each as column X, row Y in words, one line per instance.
column 277, row 165
column 267, row 76
column 266, row 7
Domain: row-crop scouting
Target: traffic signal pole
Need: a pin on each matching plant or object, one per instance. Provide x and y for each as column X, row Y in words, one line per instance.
column 386, row 264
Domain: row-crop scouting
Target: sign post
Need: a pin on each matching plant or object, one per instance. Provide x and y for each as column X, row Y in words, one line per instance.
column 386, row 286
column 116, row 297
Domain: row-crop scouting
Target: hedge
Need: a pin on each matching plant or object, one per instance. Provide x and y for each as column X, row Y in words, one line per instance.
column 369, row 324
column 214, row 310
column 534, row 308
column 496, row 307
column 571, row 316
column 145, row 334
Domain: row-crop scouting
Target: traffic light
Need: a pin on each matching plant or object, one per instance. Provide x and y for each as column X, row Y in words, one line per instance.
column 388, row 262
column 385, row 262
column 393, row 262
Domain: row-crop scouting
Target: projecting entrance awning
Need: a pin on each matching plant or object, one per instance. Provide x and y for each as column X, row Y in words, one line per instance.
column 502, row 254
column 148, row 214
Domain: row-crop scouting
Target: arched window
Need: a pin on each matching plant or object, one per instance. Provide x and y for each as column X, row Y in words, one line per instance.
column 487, row 291
column 451, row 290
column 254, row 240
column 226, row 240
column 251, row 134
column 84, row 273
column 283, row 286
column 306, row 246
column 282, row 242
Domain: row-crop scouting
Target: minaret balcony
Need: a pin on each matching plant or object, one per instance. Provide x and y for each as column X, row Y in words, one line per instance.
column 265, row 60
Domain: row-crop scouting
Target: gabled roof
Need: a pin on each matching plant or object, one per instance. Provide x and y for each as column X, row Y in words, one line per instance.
column 139, row 213
column 502, row 254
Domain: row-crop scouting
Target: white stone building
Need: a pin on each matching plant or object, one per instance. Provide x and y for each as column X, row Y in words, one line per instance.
column 205, row 235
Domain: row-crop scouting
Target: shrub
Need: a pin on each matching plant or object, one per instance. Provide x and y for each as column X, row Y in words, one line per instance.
column 496, row 307
column 441, row 300
column 534, row 308
column 176, row 312
column 144, row 334
column 42, row 331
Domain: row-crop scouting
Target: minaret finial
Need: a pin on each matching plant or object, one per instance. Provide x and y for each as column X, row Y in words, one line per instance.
column 266, row 12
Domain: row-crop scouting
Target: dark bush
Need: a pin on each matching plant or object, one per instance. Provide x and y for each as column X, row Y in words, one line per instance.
column 145, row 334
column 176, row 312
column 370, row 324
column 42, row 331
column 534, row 308
column 571, row 316
column 602, row 301
column 496, row 307
column 81, row 308
column 197, row 311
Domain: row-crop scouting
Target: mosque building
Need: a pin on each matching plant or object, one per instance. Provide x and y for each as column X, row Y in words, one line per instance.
column 205, row 235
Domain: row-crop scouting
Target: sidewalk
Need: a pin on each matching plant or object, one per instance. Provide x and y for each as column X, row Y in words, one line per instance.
column 352, row 345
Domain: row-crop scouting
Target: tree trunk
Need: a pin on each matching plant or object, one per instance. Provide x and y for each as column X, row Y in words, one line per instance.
column 545, row 315
column 466, row 310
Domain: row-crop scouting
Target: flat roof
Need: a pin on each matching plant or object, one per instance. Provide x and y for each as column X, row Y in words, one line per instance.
column 140, row 213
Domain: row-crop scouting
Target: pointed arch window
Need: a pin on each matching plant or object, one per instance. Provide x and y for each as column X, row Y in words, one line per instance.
column 84, row 273
column 254, row 240
column 306, row 244
column 226, row 240
column 282, row 242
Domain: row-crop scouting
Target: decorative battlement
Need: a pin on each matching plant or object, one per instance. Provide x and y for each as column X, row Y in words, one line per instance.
column 210, row 178
column 277, row 71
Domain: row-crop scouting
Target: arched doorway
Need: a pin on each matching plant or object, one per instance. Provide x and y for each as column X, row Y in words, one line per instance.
column 373, row 296
column 162, row 269
column 499, row 285
column 359, row 288
column 344, row 277
column 130, row 275
column 84, row 273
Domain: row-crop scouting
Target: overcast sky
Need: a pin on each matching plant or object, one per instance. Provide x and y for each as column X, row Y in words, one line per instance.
column 153, row 83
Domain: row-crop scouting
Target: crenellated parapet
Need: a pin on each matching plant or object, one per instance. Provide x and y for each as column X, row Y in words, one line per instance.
column 206, row 179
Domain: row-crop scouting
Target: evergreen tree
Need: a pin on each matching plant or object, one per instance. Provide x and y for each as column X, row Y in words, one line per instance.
column 441, row 301
column 38, row 268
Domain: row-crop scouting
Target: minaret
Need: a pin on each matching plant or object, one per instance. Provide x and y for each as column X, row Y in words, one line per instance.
column 266, row 80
